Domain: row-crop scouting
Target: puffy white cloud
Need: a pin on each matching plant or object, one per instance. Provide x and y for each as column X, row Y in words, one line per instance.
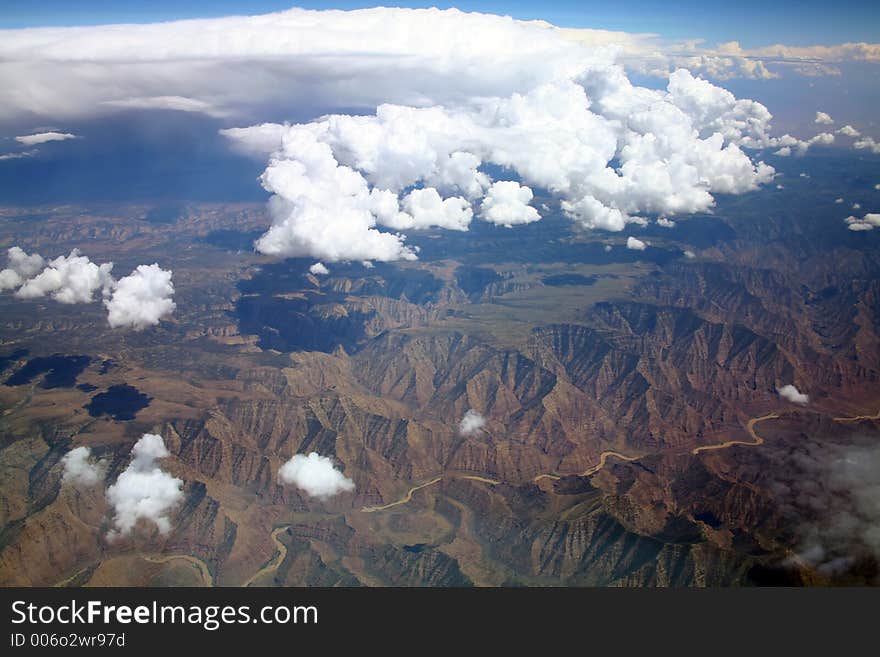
column 635, row 244
column 869, row 222
column 141, row 299
column 688, row 254
column 507, row 203
column 136, row 301
column 856, row 206
column 143, row 491
column 426, row 209
column 316, row 475
column 791, row 144
column 80, row 469
column 43, row 137
column 665, row 223
column 849, row 131
column 838, row 200
column 471, row 424
column 868, row 144
column 69, row 279
column 792, row 394
column 318, row 269
column 823, row 119
column 20, row 267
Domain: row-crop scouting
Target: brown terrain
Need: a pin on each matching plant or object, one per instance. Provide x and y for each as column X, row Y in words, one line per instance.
column 634, row 435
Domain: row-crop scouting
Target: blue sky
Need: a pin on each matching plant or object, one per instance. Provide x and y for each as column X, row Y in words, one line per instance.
column 752, row 22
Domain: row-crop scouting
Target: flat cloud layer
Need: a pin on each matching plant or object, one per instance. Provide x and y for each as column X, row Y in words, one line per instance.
column 316, row 475
column 135, row 301
column 144, row 491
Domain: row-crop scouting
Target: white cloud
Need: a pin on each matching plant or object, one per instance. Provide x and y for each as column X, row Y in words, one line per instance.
column 175, row 103
column 688, row 254
column 665, row 223
column 868, row 144
column 426, row 209
column 635, row 244
column 316, row 475
column 43, row 137
column 507, row 203
column 791, row 144
column 136, row 301
column 80, row 469
column 849, row 131
column 838, row 200
column 69, row 279
column 793, row 395
column 608, row 248
column 144, row 491
column 856, row 206
column 823, row 119
column 471, row 424
column 318, row 269
column 20, row 267
column 141, row 299
column 19, row 155
column 869, row 222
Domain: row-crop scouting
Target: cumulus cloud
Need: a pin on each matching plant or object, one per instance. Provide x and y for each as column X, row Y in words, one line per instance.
column 80, row 469
column 791, row 144
column 144, row 491
column 838, row 200
column 338, row 178
column 867, row 144
column 69, row 279
column 665, row 223
column 507, row 203
column 472, row 423
column 635, row 244
column 20, row 267
column 849, row 131
column 869, row 222
column 688, row 254
column 135, row 301
column 316, row 475
column 823, row 119
column 318, row 269
column 43, row 137
column 141, row 299
column 792, row 394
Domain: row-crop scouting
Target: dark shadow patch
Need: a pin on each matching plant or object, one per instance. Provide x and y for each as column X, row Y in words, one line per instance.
column 61, row 371
column 121, row 402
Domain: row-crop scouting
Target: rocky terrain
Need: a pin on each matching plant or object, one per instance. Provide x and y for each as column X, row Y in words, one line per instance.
column 599, row 374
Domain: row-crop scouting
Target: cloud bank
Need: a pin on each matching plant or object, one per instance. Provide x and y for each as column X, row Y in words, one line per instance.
column 80, row 469
column 316, row 475
column 135, row 301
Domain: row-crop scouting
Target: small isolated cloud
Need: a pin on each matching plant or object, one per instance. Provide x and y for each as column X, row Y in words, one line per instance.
column 823, row 119
column 792, row 394
column 868, row 144
column 316, row 475
column 427, row 209
column 849, row 131
column 19, row 155
column 507, row 204
column 838, row 200
column 869, row 222
column 80, row 469
column 666, row 223
column 877, row 187
column 856, row 206
column 69, row 279
column 144, row 491
column 688, row 254
column 318, row 269
column 471, row 424
column 43, row 137
column 608, row 248
column 20, row 267
column 635, row 244
column 141, row 299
